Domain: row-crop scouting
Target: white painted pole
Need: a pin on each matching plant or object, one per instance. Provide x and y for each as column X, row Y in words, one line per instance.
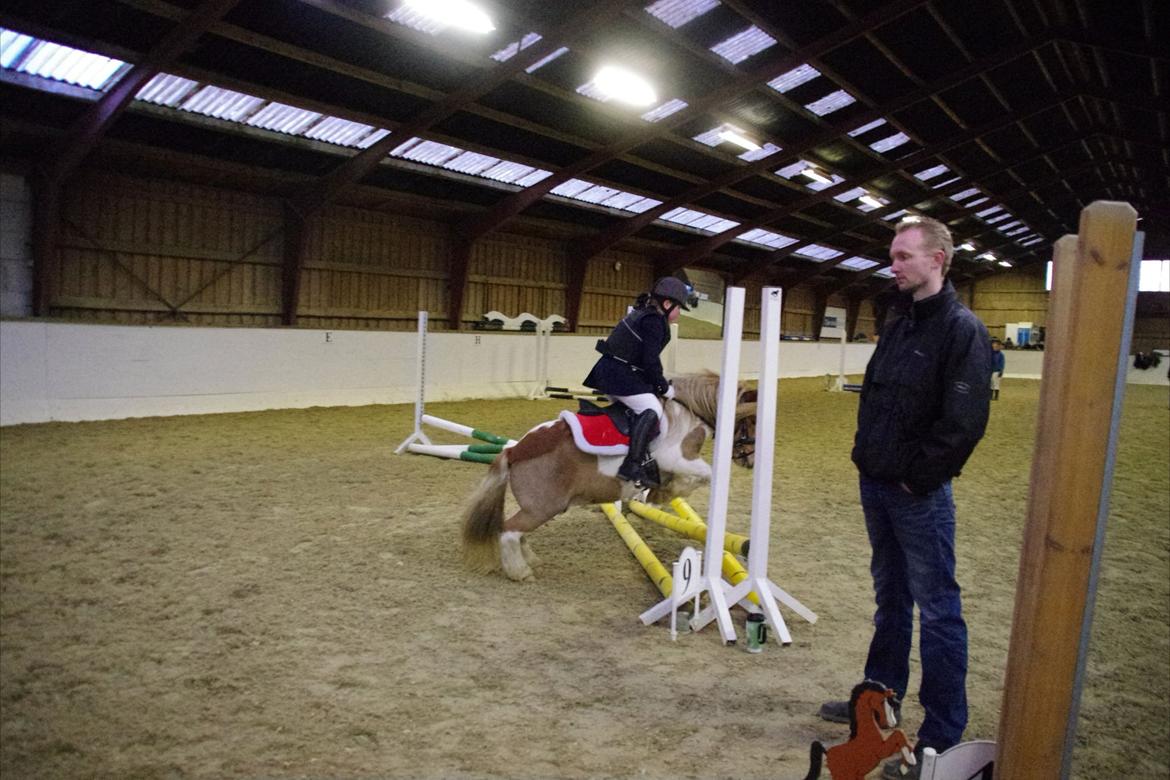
column 421, row 379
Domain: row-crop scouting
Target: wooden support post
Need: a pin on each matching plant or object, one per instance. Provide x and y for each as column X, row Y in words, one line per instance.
column 296, row 230
column 457, row 281
column 1090, row 316
column 852, row 311
column 820, row 303
column 46, row 236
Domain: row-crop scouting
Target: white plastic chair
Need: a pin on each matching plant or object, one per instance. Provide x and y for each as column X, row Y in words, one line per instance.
column 965, row 761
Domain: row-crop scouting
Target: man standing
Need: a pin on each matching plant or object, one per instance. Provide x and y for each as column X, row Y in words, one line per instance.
column 924, row 407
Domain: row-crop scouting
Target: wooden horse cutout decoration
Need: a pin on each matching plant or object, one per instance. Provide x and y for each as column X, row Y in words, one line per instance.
column 869, row 713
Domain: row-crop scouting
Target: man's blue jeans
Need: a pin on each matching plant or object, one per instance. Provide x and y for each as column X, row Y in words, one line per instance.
column 913, row 541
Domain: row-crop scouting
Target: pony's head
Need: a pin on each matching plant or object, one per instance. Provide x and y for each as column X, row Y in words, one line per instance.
column 700, row 394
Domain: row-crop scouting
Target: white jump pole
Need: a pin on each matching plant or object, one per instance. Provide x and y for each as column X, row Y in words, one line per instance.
column 421, row 378
column 757, row 580
column 711, row 580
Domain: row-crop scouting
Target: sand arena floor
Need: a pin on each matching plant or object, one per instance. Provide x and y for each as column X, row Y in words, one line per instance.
column 277, row 595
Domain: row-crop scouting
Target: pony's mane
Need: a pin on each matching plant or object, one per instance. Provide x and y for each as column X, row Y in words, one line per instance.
column 700, row 393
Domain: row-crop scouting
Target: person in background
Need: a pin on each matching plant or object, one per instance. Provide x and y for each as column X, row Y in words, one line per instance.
column 997, row 365
column 924, row 406
column 630, row 370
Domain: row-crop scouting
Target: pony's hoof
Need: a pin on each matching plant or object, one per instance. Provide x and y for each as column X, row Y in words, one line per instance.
column 524, row 575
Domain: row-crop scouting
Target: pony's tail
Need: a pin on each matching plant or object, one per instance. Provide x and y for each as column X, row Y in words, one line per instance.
column 483, row 519
column 815, row 752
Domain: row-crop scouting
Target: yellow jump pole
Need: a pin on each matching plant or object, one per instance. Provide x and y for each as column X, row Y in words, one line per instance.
column 654, row 568
column 694, row 527
column 688, row 524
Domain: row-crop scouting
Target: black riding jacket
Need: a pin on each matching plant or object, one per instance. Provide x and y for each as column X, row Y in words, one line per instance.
column 925, row 399
column 631, row 361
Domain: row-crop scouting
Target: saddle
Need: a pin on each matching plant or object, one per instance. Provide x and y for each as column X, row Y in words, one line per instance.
column 600, row 430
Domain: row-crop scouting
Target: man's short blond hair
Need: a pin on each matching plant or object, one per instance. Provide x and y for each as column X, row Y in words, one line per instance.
column 935, row 235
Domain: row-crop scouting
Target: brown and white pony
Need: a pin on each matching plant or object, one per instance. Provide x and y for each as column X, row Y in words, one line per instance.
column 548, row 474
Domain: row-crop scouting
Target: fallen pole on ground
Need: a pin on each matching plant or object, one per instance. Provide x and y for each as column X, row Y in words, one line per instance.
column 654, row 568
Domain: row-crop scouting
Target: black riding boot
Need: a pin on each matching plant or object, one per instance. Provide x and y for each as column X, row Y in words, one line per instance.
column 637, row 467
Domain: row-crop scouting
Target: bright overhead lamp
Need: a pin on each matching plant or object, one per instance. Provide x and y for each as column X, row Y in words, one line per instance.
column 624, row 86
column 987, row 256
column 735, row 135
column 1005, row 263
column 816, row 175
column 870, row 200
column 461, row 14
column 967, row 246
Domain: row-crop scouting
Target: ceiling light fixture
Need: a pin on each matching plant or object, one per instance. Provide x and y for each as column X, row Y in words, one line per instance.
column 987, row 256
column 967, row 246
column 455, row 13
column 816, row 175
column 870, row 200
column 736, row 136
column 1005, row 263
column 624, row 86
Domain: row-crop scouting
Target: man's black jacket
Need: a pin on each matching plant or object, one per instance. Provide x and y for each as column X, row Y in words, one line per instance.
column 925, row 399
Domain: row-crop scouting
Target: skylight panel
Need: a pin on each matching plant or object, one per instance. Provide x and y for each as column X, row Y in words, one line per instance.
column 666, row 109
column 639, row 206
column 536, row 176
column 930, row 173
column 788, row 171
column 850, row 194
column 622, row 200
column 744, row 44
column 676, row 13
column 833, row 181
column 767, row 150
column 515, row 47
column 471, row 162
column 818, row 252
column 766, row 238
column 1031, row 241
column 222, row 103
column 1010, row 225
column 571, row 188
column 834, row 101
column 681, row 216
column 989, row 211
column 896, row 215
column 711, row 137
column 429, row 152
column 858, row 263
column 416, row 20
column 997, row 218
column 283, row 119
column 373, row 138
column 892, row 142
column 507, row 171
column 1017, row 231
column 713, row 224
column 545, row 60
column 13, row 46
column 794, row 78
column 887, row 272
column 166, row 90
column 866, row 127
column 977, row 201
column 335, row 130
column 597, row 194
column 59, row 63
column 949, row 181
column 958, row 196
